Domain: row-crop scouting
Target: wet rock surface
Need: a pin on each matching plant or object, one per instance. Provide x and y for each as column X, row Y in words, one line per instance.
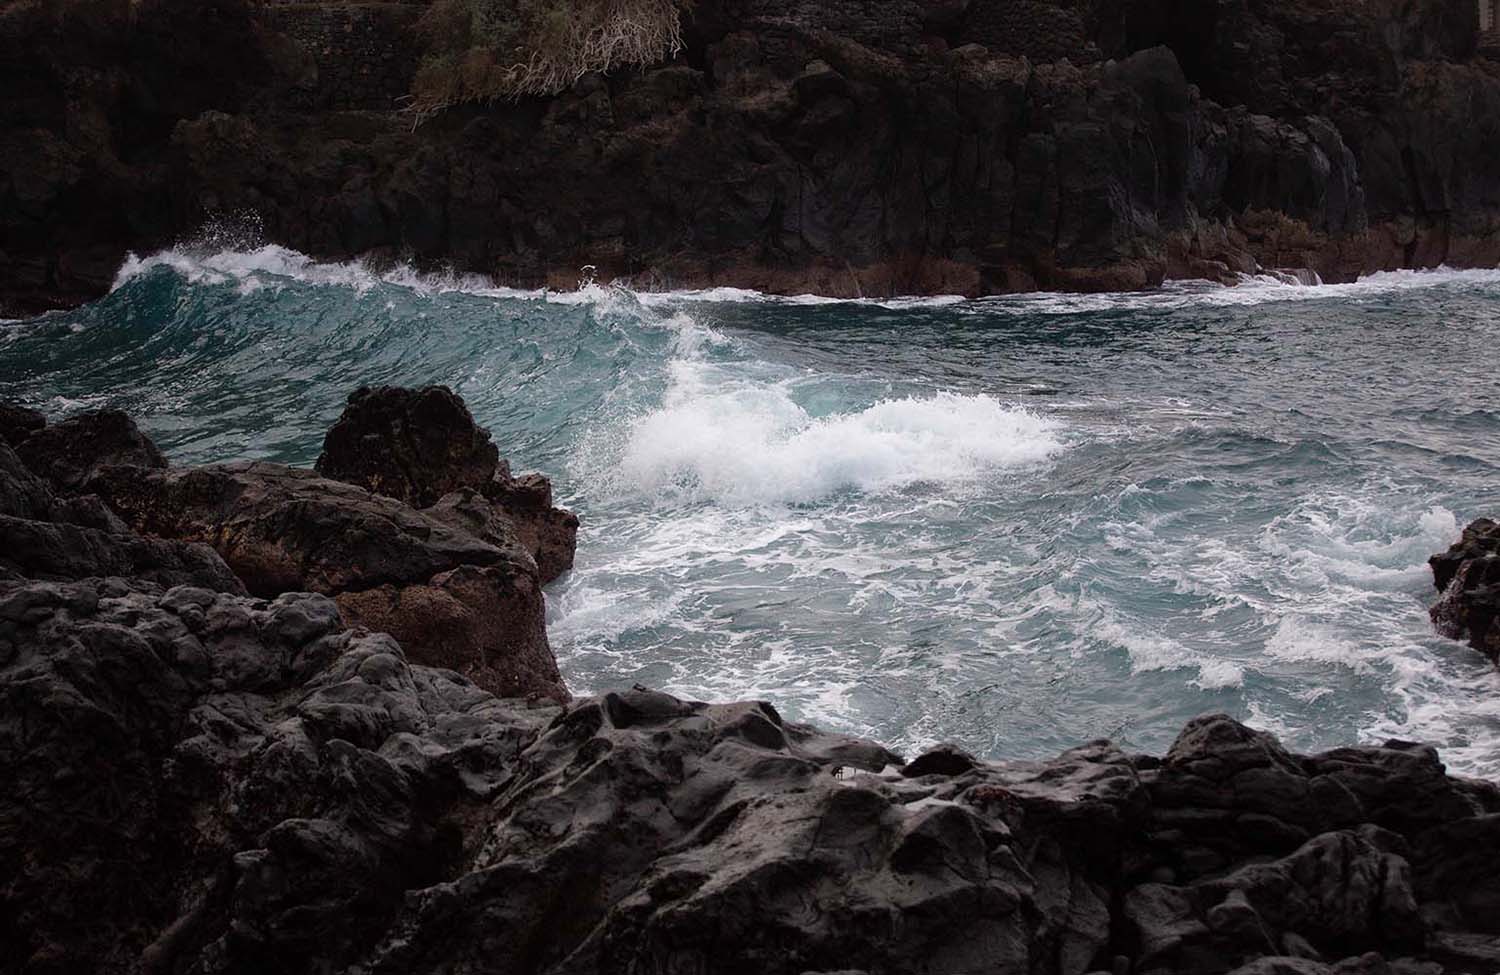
column 214, row 783
column 422, row 446
column 92, row 496
column 1467, row 577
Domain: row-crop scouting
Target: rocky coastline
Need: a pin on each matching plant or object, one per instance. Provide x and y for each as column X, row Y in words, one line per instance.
column 863, row 147
column 259, row 719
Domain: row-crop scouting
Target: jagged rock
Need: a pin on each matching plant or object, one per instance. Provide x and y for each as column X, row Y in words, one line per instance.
column 795, row 144
column 283, row 529
column 22, row 493
column 18, row 422
column 423, row 447
column 484, row 622
column 455, row 600
column 414, row 445
column 45, row 550
column 43, row 536
column 68, row 453
column 1467, row 576
column 212, row 783
column 200, row 779
column 549, row 533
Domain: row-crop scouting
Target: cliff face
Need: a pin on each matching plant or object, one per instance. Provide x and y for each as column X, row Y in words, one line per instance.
column 843, row 147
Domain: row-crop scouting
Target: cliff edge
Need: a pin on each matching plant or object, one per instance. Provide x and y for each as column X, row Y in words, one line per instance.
column 858, row 147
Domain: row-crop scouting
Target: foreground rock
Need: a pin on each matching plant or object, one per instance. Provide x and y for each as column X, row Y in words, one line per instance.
column 1468, row 578
column 422, row 446
column 203, row 782
column 94, row 497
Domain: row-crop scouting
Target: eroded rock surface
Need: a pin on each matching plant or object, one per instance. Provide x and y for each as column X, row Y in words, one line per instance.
column 459, row 587
column 414, row 445
column 422, row 446
column 202, row 782
column 1467, row 576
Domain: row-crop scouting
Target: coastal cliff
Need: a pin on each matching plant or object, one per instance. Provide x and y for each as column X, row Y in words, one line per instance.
column 860, row 147
column 214, row 763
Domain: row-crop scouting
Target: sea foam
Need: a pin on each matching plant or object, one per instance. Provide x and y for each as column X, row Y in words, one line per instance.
column 745, row 442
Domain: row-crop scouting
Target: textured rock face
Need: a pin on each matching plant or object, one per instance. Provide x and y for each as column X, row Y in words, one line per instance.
column 69, row 452
column 457, row 587
column 204, row 781
column 455, row 600
column 422, row 446
column 864, row 146
column 286, row 795
column 414, row 445
column 1468, row 578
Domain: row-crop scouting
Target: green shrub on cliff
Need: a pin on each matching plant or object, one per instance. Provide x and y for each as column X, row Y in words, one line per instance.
column 482, row 50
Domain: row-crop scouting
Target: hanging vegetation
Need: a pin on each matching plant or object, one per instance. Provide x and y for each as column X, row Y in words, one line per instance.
column 483, row 50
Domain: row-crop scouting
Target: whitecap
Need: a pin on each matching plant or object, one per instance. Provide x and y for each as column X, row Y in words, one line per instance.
column 737, row 442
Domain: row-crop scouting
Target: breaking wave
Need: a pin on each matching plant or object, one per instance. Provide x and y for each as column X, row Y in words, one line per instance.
column 1014, row 523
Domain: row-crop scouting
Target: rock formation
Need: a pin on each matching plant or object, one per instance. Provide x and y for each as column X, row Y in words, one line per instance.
column 205, row 780
column 424, row 448
column 868, row 146
column 458, row 594
column 1467, row 577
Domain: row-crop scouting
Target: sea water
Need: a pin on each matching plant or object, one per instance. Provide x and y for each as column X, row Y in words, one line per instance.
column 1014, row 523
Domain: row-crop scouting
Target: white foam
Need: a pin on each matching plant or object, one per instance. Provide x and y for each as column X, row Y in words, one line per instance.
column 1151, row 651
column 201, row 265
column 738, row 442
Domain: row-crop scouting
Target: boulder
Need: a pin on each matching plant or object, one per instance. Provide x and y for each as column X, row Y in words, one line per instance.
column 18, row 422
column 422, row 446
column 414, row 445
column 1467, row 576
column 456, row 600
column 68, row 453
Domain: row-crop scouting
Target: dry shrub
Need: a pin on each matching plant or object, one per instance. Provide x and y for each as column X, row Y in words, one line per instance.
column 482, row 50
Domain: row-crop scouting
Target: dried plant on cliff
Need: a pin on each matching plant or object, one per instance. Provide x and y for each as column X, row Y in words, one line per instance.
column 482, row 50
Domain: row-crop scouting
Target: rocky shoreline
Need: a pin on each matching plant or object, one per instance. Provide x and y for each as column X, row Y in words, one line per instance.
column 864, row 147
column 255, row 719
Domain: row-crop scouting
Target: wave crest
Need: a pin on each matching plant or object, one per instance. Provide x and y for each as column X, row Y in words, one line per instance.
column 754, row 444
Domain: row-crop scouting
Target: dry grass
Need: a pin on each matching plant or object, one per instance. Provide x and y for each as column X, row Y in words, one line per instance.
column 483, row 50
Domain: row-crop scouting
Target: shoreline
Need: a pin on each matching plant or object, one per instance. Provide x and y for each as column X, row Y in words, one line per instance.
column 207, row 653
column 214, row 266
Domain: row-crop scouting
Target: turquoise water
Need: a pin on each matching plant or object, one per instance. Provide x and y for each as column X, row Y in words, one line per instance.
column 1013, row 523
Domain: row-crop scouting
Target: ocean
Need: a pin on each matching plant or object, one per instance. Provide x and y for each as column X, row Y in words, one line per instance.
column 1015, row 523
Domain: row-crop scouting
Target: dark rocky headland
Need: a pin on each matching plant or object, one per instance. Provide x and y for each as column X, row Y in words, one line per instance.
column 256, row 719
column 857, row 146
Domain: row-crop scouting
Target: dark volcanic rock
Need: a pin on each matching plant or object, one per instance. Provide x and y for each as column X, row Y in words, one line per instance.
column 548, row 532
column 44, row 550
column 43, row 536
column 423, row 447
column 19, row 422
column 414, row 445
column 68, row 453
column 287, row 795
column 863, row 147
column 1468, row 578
column 201, row 781
column 455, row 600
